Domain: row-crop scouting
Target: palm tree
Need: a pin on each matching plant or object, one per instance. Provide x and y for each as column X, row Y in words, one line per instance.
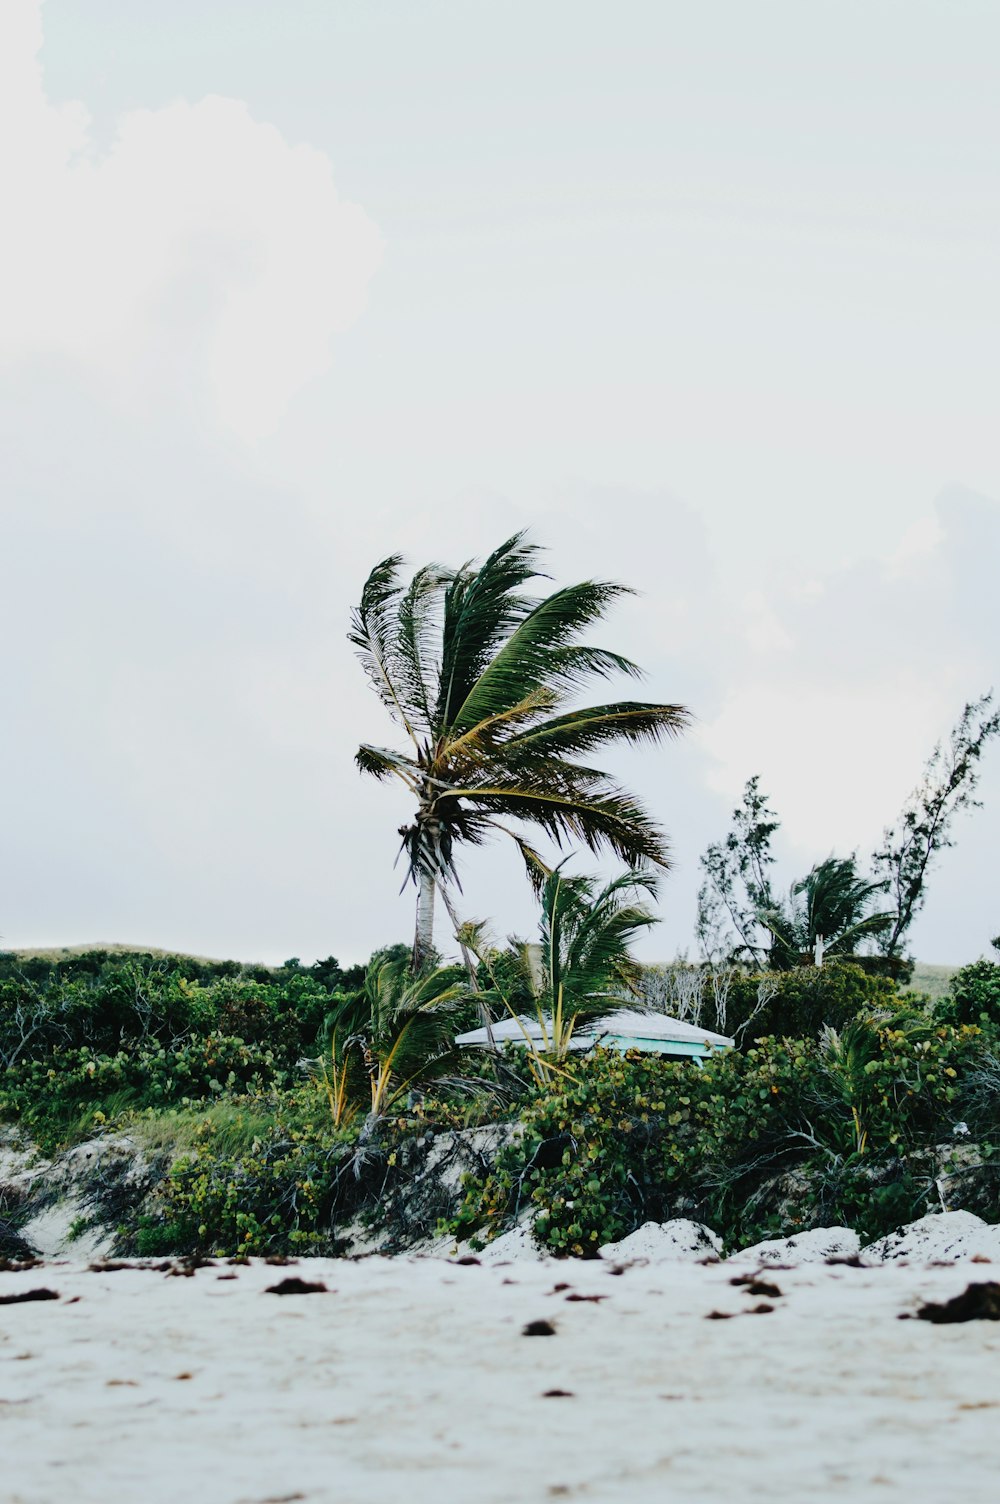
column 583, row 968
column 829, row 912
column 397, row 1034
column 480, row 675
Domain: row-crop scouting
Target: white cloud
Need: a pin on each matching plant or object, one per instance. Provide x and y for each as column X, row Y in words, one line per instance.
column 201, row 258
column 839, row 703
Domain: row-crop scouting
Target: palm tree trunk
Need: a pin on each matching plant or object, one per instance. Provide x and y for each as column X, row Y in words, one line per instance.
column 423, row 940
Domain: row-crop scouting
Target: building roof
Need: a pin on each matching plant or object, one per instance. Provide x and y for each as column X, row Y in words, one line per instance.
column 622, row 1024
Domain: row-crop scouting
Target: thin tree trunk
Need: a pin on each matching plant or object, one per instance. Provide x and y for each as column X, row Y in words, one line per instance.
column 423, row 940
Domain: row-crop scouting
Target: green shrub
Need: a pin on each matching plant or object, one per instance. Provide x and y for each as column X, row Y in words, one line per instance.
column 803, row 1001
column 274, row 1198
column 75, row 1090
column 973, row 997
column 635, row 1137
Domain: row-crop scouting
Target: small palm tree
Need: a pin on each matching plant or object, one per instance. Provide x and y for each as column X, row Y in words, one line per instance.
column 480, row 676
column 829, row 913
column 399, row 1031
column 848, row 1057
column 583, row 967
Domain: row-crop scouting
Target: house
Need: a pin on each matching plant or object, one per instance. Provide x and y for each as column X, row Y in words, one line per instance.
column 624, row 1029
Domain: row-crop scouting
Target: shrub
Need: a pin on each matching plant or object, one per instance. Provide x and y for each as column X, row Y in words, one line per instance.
column 71, row 1090
column 801, row 1002
column 973, row 997
column 274, row 1197
column 635, row 1137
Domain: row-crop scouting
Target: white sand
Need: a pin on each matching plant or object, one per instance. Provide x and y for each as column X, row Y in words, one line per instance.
column 413, row 1382
column 665, row 1243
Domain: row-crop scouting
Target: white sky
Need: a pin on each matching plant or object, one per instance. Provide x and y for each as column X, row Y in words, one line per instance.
column 704, row 295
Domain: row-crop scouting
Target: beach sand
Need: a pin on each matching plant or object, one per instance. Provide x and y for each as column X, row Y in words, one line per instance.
column 412, row 1380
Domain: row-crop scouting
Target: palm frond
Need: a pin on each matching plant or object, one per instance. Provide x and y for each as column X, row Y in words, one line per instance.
column 414, row 656
column 373, row 630
column 594, row 726
column 541, row 652
column 381, row 762
column 585, row 807
column 501, row 729
column 482, row 607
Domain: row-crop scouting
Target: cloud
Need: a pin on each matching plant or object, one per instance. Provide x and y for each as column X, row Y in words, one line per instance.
column 201, row 260
column 875, row 663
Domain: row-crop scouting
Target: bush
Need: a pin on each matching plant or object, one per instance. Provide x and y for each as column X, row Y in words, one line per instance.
column 274, row 1197
column 973, row 997
column 108, row 1001
column 70, row 1091
column 805, row 1000
column 635, row 1137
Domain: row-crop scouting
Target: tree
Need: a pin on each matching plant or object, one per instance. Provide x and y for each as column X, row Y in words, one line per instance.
column 736, row 888
column 739, row 918
column 480, row 676
column 923, row 828
column 583, row 966
column 397, row 1034
column 829, row 912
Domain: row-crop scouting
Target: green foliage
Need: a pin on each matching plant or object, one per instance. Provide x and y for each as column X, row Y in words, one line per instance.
column 800, row 1003
column 69, row 1092
column 973, row 997
column 270, row 1195
column 583, row 965
column 87, row 1037
column 109, row 1001
column 480, row 676
column 736, row 886
column 399, row 1031
column 636, row 1138
column 829, row 913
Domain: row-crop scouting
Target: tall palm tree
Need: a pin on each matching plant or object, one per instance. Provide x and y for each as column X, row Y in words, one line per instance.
column 480, row 676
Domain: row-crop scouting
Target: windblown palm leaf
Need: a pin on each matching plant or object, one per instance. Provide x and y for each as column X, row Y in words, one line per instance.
column 829, row 913
column 399, row 1030
column 583, row 968
column 480, row 676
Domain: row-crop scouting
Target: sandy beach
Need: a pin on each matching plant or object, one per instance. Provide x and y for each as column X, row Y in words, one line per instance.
column 413, row 1379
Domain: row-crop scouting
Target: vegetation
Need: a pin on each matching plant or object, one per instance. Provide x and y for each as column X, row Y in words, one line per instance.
column 582, row 967
column 480, row 676
column 794, row 1133
column 270, row 1109
column 834, row 910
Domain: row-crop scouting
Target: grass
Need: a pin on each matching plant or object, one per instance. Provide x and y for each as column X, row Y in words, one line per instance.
column 234, row 1127
column 934, row 981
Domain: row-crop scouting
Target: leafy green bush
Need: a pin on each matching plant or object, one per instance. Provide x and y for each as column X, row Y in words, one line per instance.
column 79, row 1089
column 273, row 1197
column 973, row 997
column 109, row 1001
column 635, row 1137
column 801, row 1002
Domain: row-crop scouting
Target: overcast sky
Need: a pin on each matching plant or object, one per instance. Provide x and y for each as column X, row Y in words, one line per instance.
column 705, row 295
